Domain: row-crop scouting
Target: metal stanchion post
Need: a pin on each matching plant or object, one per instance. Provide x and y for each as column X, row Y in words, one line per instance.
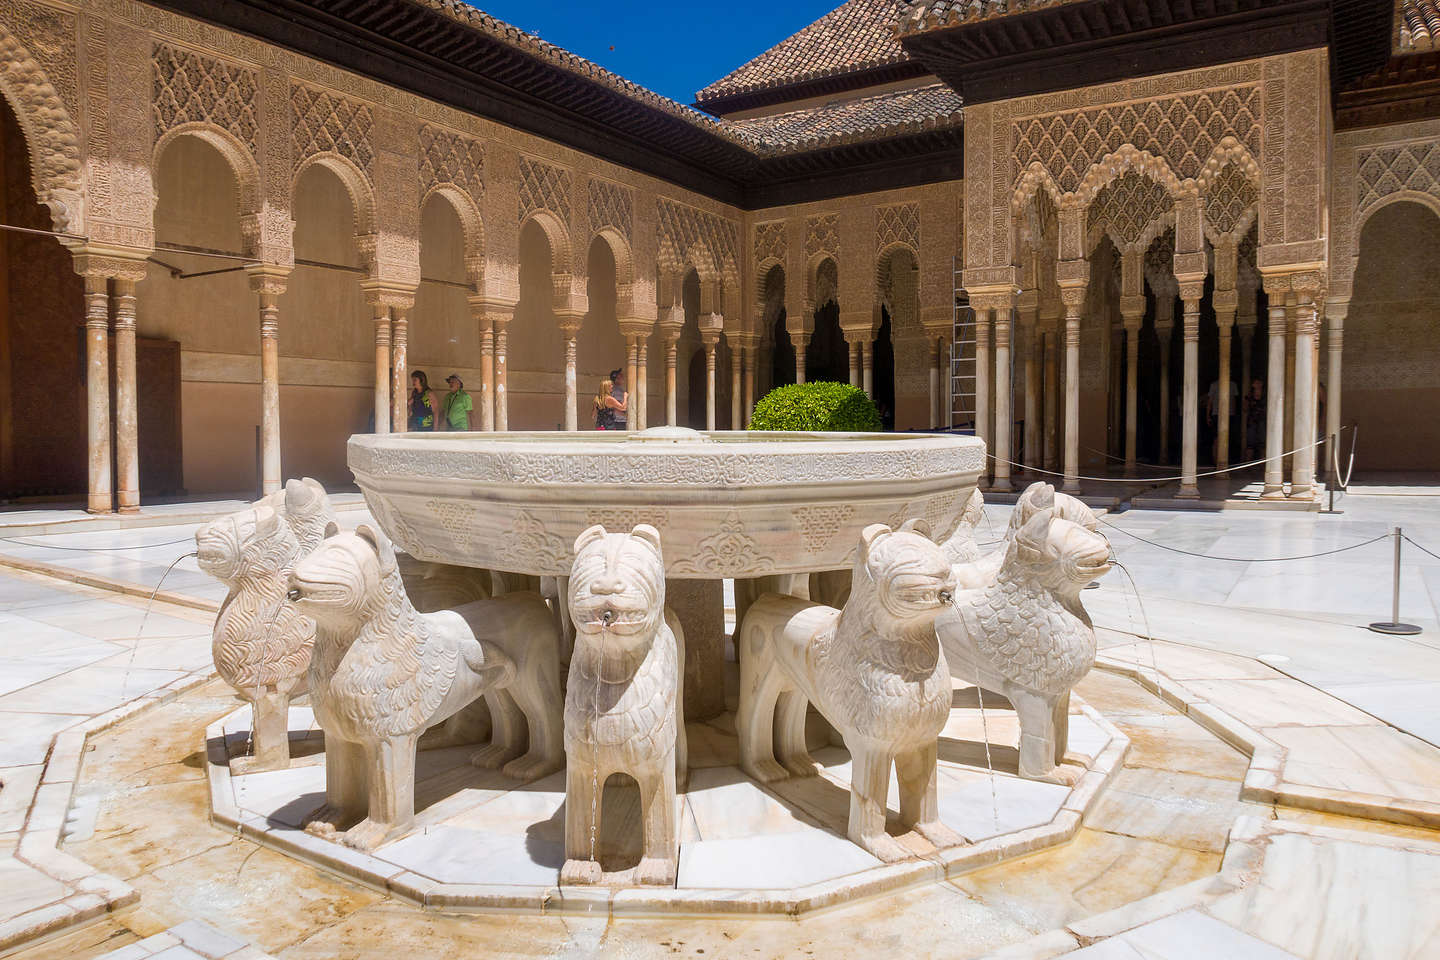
column 1394, row 627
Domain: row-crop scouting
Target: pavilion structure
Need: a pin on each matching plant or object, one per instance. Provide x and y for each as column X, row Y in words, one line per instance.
column 234, row 227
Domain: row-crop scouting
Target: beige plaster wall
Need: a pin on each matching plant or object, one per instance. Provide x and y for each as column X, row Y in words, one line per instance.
column 1391, row 383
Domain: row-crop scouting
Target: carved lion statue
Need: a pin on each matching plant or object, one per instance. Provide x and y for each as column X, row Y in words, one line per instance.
column 261, row 644
column 382, row 673
column 623, row 709
column 1018, row 627
column 874, row 670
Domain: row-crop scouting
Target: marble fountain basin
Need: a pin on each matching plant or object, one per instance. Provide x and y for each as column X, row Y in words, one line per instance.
column 726, row 503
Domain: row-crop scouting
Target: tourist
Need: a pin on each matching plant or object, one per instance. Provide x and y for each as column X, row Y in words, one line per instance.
column 1255, row 420
column 458, row 404
column 422, row 402
column 605, row 404
column 622, row 399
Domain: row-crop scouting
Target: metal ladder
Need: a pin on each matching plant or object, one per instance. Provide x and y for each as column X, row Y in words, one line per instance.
column 962, row 355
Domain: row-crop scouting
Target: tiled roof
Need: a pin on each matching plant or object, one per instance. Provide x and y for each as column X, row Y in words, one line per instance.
column 930, row 107
column 1418, row 25
column 917, row 16
column 865, row 119
column 854, row 36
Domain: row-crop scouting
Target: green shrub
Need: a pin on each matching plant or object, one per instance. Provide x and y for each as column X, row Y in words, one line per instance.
column 816, row 406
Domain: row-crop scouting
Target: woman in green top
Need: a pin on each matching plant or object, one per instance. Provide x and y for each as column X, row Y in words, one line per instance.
column 457, row 404
column 422, row 402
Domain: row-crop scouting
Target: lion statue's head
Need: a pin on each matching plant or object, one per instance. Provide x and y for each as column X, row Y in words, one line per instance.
column 307, row 510
column 1062, row 553
column 908, row 574
column 254, row 542
column 617, row 584
column 345, row 581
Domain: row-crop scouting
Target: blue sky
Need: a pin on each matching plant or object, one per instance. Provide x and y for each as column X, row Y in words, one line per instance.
column 672, row 50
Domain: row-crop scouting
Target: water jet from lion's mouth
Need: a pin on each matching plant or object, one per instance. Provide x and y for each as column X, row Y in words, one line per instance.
column 293, row 594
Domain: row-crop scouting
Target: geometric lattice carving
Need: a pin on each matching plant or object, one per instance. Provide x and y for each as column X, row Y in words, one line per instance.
column 1230, row 197
column 189, row 88
column 822, row 235
column 770, row 242
column 1128, row 206
column 610, row 206
column 325, row 123
column 1392, row 168
column 682, row 226
column 447, row 157
column 898, row 224
column 1182, row 129
column 544, row 186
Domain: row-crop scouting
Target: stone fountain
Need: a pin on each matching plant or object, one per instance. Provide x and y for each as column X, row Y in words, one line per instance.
column 658, row 521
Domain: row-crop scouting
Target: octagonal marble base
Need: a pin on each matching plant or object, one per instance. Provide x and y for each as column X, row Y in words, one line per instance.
column 482, row 841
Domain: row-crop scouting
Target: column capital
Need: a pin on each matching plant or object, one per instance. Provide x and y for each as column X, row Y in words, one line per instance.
column 384, row 293
column 108, row 260
column 268, row 279
column 569, row 321
column 1191, row 290
column 637, row 327
column 1132, row 311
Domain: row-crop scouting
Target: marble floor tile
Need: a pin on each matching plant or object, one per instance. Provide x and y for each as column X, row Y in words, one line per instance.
column 453, row 855
column 727, row 805
column 1190, row 935
column 1328, row 899
column 1411, row 705
column 1374, row 760
column 88, row 690
column 27, row 735
column 22, row 887
column 1173, row 808
column 19, row 787
column 1278, row 702
column 770, row 862
column 978, row 805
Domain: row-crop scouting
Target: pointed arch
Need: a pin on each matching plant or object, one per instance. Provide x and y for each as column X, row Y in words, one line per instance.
column 1124, row 160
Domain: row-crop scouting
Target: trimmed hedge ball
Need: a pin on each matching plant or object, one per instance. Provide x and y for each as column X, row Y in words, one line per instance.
column 822, row 406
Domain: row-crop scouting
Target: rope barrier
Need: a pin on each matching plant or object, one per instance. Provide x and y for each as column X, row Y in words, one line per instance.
column 138, row 546
column 1417, row 546
column 1207, row 473
column 1206, row 556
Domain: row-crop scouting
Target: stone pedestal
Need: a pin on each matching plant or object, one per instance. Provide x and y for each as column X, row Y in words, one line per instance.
column 700, row 605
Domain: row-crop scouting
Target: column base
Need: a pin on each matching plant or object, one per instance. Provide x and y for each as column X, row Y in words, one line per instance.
column 128, row 510
column 1131, row 468
column 271, row 486
column 1302, row 491
column 1071, row 486
column 100, row 506
column 1273, row 491
column 1188, row 492
column 1002, row 485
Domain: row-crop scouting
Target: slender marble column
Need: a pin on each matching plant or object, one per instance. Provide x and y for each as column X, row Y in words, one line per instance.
column 487, row 366
column 1052, row 397
column 710, row 343
column 1072, row 394
column 1004, row 421
column 1034, row 432
column 1335, row 344
column 1302, row 477
column 852, row 349
column 632, row 364
column 737, row 364
column 1190, row 397
column 1222, row 394
column 642, row 384
column 670, row 344
column 984, row 363
column 1164, row 332
column 382, row 368
column 867, row 367
column 400, row 370
column 269, row 283
column 1288, row 430
column 97, row 390
column 1132, row 392
column 127, row 435
column 752, row 363
column 801, row 341
column 502, row 395
column 569, row 328
column 1275, row 403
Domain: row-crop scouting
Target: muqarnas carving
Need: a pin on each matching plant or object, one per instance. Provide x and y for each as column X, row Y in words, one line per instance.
column 382, row 673
column 623, row 703
column 874, row 670
column 261, row 644
column 1019, row 628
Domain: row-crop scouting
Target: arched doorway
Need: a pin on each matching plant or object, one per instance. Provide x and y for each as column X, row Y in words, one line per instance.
column 535, row 345
column 601, row 348
column 1391, row 362
column 827, row 357
column 43, row 448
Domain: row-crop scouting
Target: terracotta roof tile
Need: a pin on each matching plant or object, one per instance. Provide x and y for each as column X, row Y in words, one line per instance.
column 1418, row 23
column 917, row 16
column 898, row 112
column 854, row 36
